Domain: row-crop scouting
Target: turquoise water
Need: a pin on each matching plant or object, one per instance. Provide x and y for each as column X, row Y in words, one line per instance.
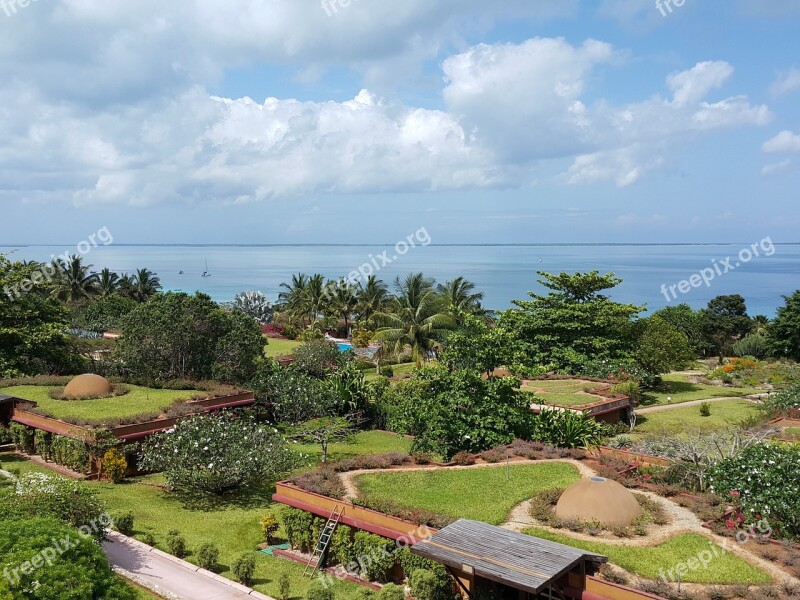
column 503, row 273
column 344, row 347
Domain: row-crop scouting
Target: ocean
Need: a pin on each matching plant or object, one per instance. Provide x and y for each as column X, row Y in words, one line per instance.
column 501, row 272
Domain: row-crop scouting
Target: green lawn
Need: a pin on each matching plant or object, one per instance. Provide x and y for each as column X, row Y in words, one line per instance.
column 724, row 415
column 278, row 347
column 401, row 370
column 366, row 442
column 648, row 561
column 138, row 401
column 561, row 392
column 481, row 494
column 677, row 389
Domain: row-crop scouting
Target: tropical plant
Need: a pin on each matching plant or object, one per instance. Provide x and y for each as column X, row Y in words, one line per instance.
column 142, row 286
column 323, row 431
column 756, row 345
column 293, row 297
column 107, row 283
column 371, row 297
column 255, row 305
column 565, row 429
column 210, row 453
column 416, row 318
column 343, row 301
column 460, row 298
column 73, row 280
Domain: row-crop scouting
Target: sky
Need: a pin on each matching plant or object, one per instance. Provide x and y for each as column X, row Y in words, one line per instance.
column 359, row 121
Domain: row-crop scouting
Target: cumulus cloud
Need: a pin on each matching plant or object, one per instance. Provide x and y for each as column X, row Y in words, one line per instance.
column 785, row 141
column 786, row 82
column 109, row 103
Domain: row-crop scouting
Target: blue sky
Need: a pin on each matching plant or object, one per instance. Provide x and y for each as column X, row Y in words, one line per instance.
column 297, row 121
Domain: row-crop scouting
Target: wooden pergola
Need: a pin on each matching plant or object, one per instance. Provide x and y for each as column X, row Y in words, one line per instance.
column 517, row 566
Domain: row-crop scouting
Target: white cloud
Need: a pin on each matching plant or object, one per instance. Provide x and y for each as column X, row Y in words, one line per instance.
column 785, row 141
column 786, row 82
column 692, row 86
column 779, row 168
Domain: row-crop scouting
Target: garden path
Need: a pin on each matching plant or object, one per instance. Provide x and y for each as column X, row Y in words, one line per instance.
column 651, row 409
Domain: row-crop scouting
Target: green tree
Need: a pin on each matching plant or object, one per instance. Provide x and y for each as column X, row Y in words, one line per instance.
column 415, row 319
column 293, row 298
column 342, row 301
column 686, row 320
column 31, row 324
column 460, row 411
column 79, row 570
column 142, row 286
column 323, row 432
column 210, row 453
column 177, row 336
column 572, row 325
column 661, row 347
column 784, row 331
column 107, row 283
column 73, row 281
column 460, row 298
column 725, row 321
column 372, row 298
column 477, row 346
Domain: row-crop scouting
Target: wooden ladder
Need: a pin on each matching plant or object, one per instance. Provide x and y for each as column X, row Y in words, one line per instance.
column 324, row 541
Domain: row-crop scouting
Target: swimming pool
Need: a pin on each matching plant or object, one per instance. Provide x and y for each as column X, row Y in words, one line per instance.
column 344, row 346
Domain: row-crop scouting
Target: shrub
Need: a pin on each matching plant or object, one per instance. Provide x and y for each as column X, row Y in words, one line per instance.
column 124, row 523
column 341, row 549
column 269, row 527
column 243, row 568
column 210, row 453
column 284, row 587
column 494, row 455
column 391, row 592
column 148, row 538
column 302, row 528
column 207, row 556
column 765, row 480
column 323, row 481
column 464, row 458
column 5, row 435
column 631, row 389
column 373, row 546
column 70, row 453
column 318, row 591
column 387, row 371
column 429, row 585
column 42, row 442
column 705, row 409
column 176, row 543
column 23, row 438
column 114, row 465
column 566, row 429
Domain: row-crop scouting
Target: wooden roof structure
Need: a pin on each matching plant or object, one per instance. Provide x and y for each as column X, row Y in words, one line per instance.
column 520, row 561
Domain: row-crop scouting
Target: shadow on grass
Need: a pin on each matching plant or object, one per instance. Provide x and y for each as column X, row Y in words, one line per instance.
column 670, row 387
column 243, row 498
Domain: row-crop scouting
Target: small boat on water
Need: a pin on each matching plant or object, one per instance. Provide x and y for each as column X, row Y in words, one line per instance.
column 206, row 273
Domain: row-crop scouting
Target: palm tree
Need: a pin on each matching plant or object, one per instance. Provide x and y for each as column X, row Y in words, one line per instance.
column 415, row 317
column 294, row 295
column 73, row 280
column 107, row 283
column 461, row 299
column 343, row 301
column 316, row 296
column 141, row 286
column 372, row 298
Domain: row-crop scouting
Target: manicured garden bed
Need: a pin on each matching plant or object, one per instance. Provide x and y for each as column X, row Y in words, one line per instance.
column 725, row 414
column 481, row 494
column 649, row 561
column 563, row 392
column 366, row 442
column 138, row 401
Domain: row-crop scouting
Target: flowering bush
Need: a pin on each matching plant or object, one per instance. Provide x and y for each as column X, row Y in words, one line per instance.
column 765, row 481
column 217, row 453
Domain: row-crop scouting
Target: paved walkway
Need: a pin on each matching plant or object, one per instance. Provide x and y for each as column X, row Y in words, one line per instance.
column 660, row 407
column 171, row 577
